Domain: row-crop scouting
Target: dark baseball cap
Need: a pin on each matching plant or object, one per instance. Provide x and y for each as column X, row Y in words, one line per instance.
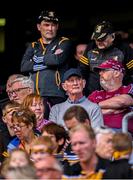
column 48, row 16
column 71, row 72
column 111, row 64
column 102, row 30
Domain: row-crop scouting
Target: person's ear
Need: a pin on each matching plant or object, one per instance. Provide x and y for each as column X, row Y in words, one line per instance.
column 84, row 83
column 64, row 86
column 38, row 27
column 113, row 36
column 117, row 73
column 4, row 120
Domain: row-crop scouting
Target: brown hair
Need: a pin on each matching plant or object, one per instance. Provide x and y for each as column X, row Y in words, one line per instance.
column 29, row 100
column 44, row 140
column 122, row 142
column 78, row 112
column 24, row 115
column 83, row 127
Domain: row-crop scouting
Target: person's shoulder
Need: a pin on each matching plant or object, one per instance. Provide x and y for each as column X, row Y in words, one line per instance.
column 127, row 88
column 63, row 39
column 35, row 43
column 59, row 105
column 96, row 93
column 93, row 105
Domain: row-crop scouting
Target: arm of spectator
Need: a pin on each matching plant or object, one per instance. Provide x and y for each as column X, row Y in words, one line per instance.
column 27, row 62
column 96, row 117
column 114, row 111
column 60, row 55
column 117, row 102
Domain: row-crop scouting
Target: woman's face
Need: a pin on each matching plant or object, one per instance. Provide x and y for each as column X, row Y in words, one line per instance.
column 21, row 129
column 37, row 107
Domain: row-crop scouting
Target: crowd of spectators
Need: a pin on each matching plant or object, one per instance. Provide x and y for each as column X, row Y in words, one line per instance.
column 63, row 116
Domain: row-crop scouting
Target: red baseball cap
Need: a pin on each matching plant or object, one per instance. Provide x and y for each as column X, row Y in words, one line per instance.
column 111, row 64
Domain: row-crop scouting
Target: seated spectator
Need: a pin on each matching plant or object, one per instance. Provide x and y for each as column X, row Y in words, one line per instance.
column 75, row 115
column 84, row 144
column 24, row 124
column 7, row 111
column 21, row 87
column 17, row 158
column 72, row 117
column 36, row 104
column 7, row 133
column 73, row 84
column 122, row 145
column 41, row 147
column 120, row 168
column 115, row 99
column 104, row 147
column 59, row 137
column 11, row 78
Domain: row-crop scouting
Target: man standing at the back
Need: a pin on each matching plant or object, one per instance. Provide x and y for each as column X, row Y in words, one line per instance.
column 48, row 58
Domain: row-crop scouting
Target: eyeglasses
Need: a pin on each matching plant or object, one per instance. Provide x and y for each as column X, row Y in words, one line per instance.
column 18, row 127
column 16, row 91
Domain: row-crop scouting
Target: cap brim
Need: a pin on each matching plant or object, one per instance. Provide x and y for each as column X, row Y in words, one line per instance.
column 97, row 69
column 68, row 76
column 99, row 36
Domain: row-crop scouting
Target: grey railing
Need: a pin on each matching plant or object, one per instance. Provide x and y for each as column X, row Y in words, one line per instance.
column 125, row 121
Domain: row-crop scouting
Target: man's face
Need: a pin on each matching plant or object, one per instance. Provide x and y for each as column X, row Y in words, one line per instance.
column 103, row 44
column 74, row 85
column 19, row 92
column 104, row 146
column 82, row 145
column 107, row 78
column 71, row 123
column 48, row 30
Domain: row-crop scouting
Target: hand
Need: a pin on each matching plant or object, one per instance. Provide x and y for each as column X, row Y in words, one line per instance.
column 58, row 51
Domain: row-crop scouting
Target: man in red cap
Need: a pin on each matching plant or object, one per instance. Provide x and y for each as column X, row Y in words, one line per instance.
column 115, row 99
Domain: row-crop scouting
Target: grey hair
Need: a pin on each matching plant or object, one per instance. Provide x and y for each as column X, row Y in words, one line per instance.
column 25, row 81
column 103, row 130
